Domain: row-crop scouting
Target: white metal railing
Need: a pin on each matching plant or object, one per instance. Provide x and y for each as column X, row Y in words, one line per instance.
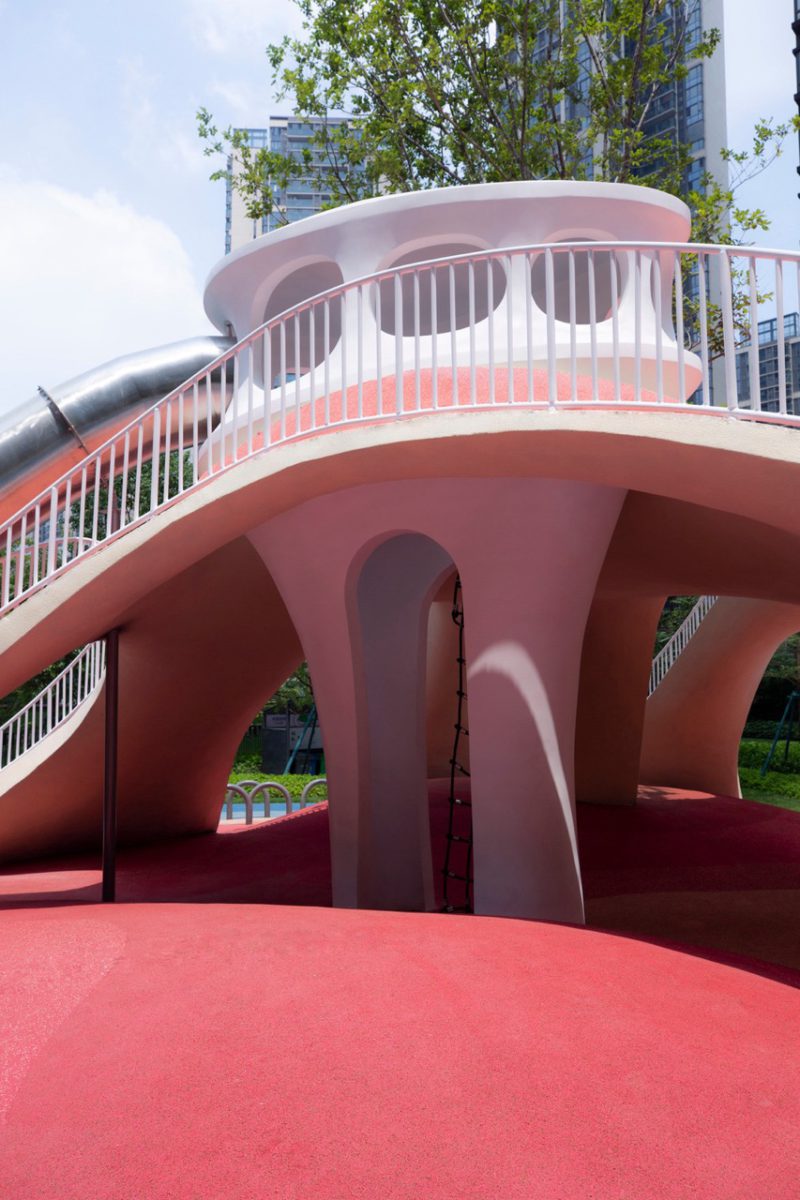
column 54, row 704
column 571, row 325
column 672, row 650
column 249, row 792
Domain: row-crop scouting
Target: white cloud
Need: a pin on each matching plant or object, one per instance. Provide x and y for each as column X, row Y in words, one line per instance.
column 85, row 278
column 234, row 27
column 153, row 135
column 241, row 102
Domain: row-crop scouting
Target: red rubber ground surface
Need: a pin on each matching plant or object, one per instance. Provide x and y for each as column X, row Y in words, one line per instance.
column 215, row 1051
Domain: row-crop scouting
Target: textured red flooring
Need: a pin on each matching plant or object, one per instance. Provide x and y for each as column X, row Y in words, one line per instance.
column 454, row 388
column 213, row 1051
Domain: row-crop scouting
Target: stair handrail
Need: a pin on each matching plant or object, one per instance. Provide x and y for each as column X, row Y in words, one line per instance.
column 54, row 704
column 671, row 651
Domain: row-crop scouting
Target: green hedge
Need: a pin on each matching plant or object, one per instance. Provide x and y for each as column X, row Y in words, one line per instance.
column 294, row 784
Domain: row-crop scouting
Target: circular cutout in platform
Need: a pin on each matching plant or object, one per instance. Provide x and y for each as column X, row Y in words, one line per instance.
column 304, row 342
column 444, row 292
column 604, row 264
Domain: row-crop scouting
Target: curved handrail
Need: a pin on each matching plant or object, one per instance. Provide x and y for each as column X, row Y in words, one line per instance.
column 312, row 785
column 671, row 651
column 54, row 704
column 647, row 343
column 249, row 790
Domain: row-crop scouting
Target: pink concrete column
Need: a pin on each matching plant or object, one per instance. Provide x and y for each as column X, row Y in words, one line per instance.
column 314, row 588
column 615, row 672
column 360, row 605
column 528, row 578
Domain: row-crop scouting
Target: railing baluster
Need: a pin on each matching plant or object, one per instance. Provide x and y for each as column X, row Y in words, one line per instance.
column 250, row 398
column 529, row 352
column 137, row 480
column 378, row 348
column 615, row 331
column 209, row 425
column 703, row 307
column 52, row 532
column 573, row 327
column 126, row 454
column 679, row 329
column 753, row 362
column 550, row 290
column 35, row 552
column 343, row 343
column 728, row 334
column 658, row 297
column 195, row 428
column 473, row 396
column 298, row 368
column 417, row 380
column 312, row 364
column 490, row 325
column 360, row 350
column 235, row 409
column 637, row 327
column 155, row 460
column 6, row 565
column 282, row 339
column 592, row 287
column 19, row 582
column 181, row 407
column 266, row 350
column 327, row 368
column 780, row 317
column 167, row 450
column 399, row 404
column 110, row 491
column 509, row 328
column 451, row 285
column 65, row 536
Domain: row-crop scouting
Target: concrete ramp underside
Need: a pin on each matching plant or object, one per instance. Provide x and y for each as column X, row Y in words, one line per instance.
column 207, row 636
column 197, row 657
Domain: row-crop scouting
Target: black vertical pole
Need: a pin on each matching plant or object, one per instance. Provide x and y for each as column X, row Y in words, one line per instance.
column 110, row 775
column 796, row 29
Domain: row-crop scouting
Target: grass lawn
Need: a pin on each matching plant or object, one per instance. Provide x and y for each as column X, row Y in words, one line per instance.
column 781, row 784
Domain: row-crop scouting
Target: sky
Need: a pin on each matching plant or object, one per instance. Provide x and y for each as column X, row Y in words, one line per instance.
column 109, row 224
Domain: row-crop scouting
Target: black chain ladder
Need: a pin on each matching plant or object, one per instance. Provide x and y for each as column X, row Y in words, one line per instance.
column 458, row 847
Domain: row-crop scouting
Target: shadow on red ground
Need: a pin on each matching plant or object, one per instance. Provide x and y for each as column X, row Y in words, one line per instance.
column 713, row 873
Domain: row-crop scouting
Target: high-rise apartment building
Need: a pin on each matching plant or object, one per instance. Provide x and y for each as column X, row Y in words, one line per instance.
column 690, row 110
column 303, row 197
column 768, row 357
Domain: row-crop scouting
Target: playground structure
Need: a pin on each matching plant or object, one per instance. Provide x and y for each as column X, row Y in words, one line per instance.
column 530, row 386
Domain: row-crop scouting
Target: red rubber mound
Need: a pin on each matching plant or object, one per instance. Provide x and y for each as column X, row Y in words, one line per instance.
column 210, row 1052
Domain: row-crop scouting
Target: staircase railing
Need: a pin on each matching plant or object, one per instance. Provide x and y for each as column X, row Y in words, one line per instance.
column 634, row 326
column 674, row 648
column 54, row 704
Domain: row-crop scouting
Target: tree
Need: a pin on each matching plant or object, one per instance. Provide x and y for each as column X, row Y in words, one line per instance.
column 444, row 92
